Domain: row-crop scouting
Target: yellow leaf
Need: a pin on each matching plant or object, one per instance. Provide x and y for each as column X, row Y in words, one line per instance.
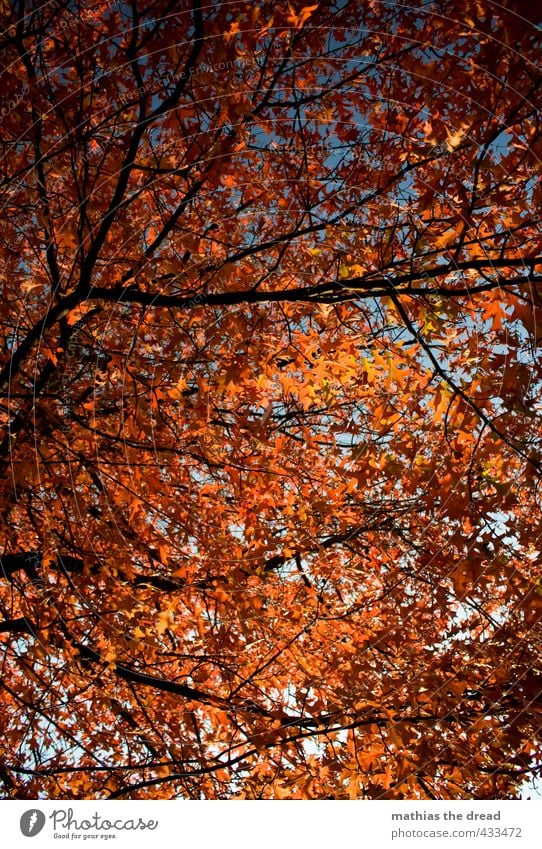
column 454, row 139
column 110, row 657
column 370, row 370
column 177, row 392
column 233, row 30
column 355, row 270
column 66, row 239
column 299, row 20
column 165, row 619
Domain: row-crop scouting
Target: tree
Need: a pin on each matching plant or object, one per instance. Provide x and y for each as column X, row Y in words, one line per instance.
column 270, row 326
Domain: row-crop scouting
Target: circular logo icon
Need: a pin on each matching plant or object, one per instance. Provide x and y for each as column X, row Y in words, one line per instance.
column 32, row 822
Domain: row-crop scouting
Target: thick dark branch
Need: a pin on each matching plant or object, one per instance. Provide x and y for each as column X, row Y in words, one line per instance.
column 18, row 626
column 36, row 333
column 335, row 539
column 127, row 673
column 28, row 562
column 371, row 286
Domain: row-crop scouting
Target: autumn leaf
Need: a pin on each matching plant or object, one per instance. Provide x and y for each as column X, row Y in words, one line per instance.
column 298, row 19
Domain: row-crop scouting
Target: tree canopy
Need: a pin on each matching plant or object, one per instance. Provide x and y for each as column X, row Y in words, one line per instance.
column 270, row 376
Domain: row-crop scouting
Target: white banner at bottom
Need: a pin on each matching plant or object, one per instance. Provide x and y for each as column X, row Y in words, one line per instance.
column 272, row 825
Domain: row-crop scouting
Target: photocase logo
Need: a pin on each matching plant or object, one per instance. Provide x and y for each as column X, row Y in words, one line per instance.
column 32, row 822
